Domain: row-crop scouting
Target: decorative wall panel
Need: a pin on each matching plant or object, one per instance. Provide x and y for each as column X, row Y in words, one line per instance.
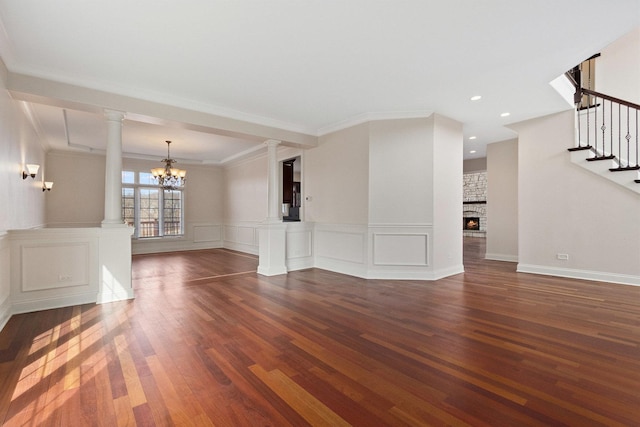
column 299, row 244
column 400, row 249
column 53, row 266
column 341, row 245
column 206, row 233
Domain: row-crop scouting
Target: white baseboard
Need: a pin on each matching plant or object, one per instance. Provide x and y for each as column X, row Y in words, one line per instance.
column 5, row 312
column 241, row 247
column 121, row 295
column 342, row 267
column 446, row 272
column 501, row 257
column 597, row 276
column 141, row 248
column 294, row 264
column 29, row 306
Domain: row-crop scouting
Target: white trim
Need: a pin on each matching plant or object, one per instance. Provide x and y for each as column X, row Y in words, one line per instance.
column 230, row 234
column 6, row 312
column 370, row 117
column 53, row 302
column 392, row 225
column 240, row 247
column 501, row 257
column 241, row 155
column 377, row 259
column 342, row 267
column 154, row 97
column 598, row 276
column 5, row 279
column 105, row 295
column 446, row 272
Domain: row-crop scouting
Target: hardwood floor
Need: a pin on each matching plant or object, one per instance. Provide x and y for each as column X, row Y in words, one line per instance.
column 207, row 341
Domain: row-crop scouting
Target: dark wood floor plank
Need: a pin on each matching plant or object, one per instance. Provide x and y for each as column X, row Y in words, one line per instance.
column 207, row 341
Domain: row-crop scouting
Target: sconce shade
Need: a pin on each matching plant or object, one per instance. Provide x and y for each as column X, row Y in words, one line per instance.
column 32, row 171
column 47, row 185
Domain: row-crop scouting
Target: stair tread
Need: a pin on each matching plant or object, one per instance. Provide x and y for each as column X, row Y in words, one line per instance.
column 580, row 148
column 591, row 159
column 625, row 168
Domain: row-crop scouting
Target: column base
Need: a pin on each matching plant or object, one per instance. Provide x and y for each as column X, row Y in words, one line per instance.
column 272, row 249
column 115, row 264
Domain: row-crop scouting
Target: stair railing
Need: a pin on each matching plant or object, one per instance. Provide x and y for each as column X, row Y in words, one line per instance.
column 606, row 125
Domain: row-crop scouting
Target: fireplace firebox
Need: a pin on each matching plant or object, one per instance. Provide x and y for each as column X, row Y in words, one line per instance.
column 471, row 223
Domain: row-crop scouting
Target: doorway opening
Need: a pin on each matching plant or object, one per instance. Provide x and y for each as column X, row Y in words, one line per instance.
column 291, row 189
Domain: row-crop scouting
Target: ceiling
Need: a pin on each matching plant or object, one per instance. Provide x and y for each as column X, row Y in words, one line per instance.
column 310, row 66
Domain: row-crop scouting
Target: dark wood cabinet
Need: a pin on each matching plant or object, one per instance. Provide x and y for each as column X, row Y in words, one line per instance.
column 290, row 192
column 287, row 182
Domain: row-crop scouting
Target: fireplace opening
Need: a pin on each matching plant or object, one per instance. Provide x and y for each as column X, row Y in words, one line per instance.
column 471, row 223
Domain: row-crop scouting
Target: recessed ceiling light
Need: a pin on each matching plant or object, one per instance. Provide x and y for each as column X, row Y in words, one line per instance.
column 472, row 152
column 476, row 98
column 505, row 114
column 472, row 137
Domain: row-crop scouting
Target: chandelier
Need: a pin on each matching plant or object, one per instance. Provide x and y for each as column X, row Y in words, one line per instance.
column 168, row 177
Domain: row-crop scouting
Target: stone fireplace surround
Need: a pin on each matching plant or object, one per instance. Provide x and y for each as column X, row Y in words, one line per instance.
column 475, row 198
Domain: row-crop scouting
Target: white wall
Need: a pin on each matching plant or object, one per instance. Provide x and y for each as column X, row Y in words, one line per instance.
column 401, row 171
column 447, row 196
column 245, row 190
column 564, row 209
column 24, row 203
column 475, row 165
column 77, row 197
column 336, row 177
column 401, row 182
column 618, row 68
column 245, row 187
column 203, row 213
column 502, row 201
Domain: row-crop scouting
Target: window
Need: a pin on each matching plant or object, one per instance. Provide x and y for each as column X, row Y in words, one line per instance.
column 152, row 210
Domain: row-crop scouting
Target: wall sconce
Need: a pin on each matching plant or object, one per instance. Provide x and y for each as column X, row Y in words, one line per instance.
column 47, row 185
column 32, row 170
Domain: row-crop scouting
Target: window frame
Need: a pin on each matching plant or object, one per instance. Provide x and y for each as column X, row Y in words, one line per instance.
column 137, row 186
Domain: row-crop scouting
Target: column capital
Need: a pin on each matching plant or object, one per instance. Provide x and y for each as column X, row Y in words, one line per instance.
column 114, row 115
column 272, row 142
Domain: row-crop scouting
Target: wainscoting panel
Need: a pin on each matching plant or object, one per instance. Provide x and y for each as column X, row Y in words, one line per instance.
column 246, row 235
column 207, row 233
column 53, row 266
column 401, row 249
column 241, row 237
column 5, row 280
column 299, row 245
column 341, row 248
column 600, row 276
column 341, row 245
column 197, row 236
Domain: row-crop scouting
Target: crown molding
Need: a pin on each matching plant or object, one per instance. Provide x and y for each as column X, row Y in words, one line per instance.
column 370, row 117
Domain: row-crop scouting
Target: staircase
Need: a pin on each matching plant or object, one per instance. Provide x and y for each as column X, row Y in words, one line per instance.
column 607, row 140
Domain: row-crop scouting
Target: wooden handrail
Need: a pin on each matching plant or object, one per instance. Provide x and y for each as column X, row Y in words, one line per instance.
column 611, row 98
column 572, row 79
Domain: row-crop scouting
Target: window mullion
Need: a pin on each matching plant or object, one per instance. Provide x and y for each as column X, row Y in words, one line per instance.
column 136, row 206
column 161, row 212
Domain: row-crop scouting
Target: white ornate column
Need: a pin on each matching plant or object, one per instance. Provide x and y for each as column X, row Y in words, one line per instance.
column 273, row 211
column 114, row 259
column 113, row 170
column 272, row 241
